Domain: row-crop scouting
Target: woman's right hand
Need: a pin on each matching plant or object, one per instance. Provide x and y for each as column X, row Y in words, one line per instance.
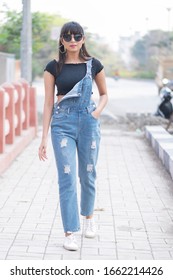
column 42, row 150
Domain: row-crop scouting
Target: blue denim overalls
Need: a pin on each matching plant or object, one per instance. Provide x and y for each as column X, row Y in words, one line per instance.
column 73, row 128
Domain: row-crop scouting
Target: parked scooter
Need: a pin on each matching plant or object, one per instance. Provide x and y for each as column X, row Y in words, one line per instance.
column 165, row 107
column 167, row 83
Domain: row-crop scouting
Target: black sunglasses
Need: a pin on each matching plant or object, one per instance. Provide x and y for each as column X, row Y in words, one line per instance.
column 68, row 37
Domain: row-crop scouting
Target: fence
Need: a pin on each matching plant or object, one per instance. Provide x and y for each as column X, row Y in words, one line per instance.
column 18, row 120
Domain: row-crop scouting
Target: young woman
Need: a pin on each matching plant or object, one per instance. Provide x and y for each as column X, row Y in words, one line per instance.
column 75, row 128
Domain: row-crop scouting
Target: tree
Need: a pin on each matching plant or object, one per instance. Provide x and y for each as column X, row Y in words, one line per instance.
column 139, row 52
column 10, row 31
column 148, row 50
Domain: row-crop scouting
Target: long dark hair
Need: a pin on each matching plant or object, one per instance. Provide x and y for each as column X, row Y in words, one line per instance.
column 71, row 27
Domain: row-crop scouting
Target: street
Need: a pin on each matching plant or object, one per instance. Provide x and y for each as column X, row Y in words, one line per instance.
column 125, row 96
column 131, row 96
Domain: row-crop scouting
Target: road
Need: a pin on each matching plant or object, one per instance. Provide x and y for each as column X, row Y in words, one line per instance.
column 125, row 96
column 132, row 96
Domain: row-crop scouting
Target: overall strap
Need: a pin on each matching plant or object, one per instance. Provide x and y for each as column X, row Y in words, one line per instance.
column 89, row 66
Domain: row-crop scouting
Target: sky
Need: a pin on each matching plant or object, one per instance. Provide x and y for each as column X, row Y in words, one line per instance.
column 109, row 18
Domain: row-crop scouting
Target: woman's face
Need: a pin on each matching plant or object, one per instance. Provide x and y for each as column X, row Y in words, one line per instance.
column 72, row 42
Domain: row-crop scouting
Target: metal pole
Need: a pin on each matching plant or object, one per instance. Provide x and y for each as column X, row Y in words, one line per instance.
column 169, row 11
column 26, row 42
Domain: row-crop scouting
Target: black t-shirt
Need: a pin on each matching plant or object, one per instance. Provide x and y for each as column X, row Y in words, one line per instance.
column 71, row 74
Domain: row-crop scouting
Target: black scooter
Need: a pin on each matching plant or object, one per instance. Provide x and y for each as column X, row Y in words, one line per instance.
column 165, row 107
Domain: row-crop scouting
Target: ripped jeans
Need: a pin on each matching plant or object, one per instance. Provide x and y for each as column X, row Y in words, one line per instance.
column 75, row 135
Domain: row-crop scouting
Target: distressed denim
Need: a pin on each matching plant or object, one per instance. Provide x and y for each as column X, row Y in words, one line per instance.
column 75, row 135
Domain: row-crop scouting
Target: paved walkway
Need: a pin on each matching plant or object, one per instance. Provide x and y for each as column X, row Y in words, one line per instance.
column 133, row 211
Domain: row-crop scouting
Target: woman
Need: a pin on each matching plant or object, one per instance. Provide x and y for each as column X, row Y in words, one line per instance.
column 74, row 121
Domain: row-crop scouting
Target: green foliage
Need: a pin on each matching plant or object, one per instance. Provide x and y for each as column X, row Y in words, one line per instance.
column 148, row 50
column 139, row 52
column 144, row 75
column 137, row 74
column 10, row 31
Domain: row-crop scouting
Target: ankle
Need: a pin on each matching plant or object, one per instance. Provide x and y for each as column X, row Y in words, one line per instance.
column 68, row 233
column 90, row 228
column 89, row 217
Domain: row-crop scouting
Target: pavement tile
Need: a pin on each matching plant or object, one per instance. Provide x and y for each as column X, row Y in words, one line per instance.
column 55, row 250
column 17, row 249
column 10, row 236
column 134, row 254
column 107, row 251
column 98, row 257
column 133, row 210
column 125, row 244
column 139, row 234
column 141, row 245
column 52, row 257
column 3, row 255
column 89, row 251
column 36, row 249
column 162, row 255
column 23, row 242
column 24, row 256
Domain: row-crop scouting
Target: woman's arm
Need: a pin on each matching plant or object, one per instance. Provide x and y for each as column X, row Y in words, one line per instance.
column 49, row 85
column 101, row 85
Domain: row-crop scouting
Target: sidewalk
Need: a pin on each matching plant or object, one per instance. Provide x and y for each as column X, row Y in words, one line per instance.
column 133, row 211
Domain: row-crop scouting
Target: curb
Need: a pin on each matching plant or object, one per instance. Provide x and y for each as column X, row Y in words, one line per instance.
column 162, row 143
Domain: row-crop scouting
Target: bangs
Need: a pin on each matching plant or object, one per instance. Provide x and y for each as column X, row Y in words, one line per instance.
column 72, row 28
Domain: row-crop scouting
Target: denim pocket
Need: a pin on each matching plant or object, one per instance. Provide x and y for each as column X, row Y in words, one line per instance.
column 58, row 120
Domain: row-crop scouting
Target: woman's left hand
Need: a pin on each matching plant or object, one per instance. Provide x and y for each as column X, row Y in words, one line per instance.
column 95, row 114
column 42, row 152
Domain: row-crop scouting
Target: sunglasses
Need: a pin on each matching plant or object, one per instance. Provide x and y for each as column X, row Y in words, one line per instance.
column 68, row 37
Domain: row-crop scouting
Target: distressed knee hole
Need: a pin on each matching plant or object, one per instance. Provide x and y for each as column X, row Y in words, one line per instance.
column 63, row 142
column 93, row 144
column 67, row 169
column 90, row 167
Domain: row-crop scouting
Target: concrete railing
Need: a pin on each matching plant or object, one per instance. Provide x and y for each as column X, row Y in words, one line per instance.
column 18, row 119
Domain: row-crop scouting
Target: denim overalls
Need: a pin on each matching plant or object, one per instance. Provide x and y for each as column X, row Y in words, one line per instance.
column 74, row 129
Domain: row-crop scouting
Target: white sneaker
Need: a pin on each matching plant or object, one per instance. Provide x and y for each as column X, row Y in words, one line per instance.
column 90, row 228
column 70, row 243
